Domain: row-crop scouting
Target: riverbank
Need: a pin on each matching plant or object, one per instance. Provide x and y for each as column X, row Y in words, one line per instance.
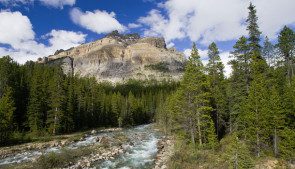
column 139, row 147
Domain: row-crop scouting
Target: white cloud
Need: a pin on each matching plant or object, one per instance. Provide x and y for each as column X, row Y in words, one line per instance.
column 15, row 2
column 61, row 39
column 206, row 21
column 159, row 25
column 49, row 3
column 12, row 33
column 274, row 14
column 58, row 3
column 21, row 42
column 96, row 21
column 134, row 25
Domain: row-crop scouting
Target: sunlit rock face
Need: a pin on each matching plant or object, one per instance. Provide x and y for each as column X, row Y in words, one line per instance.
column 117, row 58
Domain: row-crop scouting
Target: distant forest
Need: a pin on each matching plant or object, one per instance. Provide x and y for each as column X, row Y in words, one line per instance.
column 40, row 100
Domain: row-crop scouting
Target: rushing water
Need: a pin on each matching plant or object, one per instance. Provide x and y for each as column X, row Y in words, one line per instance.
column 140, row 154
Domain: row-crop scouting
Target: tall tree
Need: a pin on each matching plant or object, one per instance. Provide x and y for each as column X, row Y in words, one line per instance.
column 239, row 82
column 254, row 32
column 7, row 108
column 56, row 102
column 286, row 44
column 194, row 98
column 35, row 112
column 215, row 70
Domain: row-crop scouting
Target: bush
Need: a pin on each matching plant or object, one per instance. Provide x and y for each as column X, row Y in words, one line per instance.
column 62, row 159
column 162, row 67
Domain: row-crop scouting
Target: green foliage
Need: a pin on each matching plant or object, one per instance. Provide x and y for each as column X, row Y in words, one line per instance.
column 7, row 108
column 162, row 67
column 287, row 144
column 59, row 160
column 235, row 153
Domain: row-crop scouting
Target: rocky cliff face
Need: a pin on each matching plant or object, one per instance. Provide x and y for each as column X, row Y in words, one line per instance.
column 117, row 58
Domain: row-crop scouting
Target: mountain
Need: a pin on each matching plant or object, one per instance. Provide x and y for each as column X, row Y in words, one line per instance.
column 117, row 58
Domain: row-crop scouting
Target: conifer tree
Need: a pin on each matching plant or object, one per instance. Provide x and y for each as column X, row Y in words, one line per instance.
column 286, row 45
column 57, row 97
column 254, row 32
column 35, row 114
column 194, row 97
column 255, row 114
column 215, row 70
column 7, row 109
column 239, row 82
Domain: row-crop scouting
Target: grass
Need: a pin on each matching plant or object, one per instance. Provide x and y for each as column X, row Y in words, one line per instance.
column 189, row 157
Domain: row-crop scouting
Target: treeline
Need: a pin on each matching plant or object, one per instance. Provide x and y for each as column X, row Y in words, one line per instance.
column 254, row 108
column 39, row 100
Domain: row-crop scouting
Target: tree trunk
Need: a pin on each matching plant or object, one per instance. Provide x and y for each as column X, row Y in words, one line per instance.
column 199, row 129
column 236, row 161
column 257, row 144
column 275, row 145
column 55, row 122
column 192, row 131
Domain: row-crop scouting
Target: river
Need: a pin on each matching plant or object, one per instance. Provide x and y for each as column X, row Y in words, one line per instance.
column 140, row 153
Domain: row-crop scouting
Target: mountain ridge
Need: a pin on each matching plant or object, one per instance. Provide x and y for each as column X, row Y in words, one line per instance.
column 119, row 57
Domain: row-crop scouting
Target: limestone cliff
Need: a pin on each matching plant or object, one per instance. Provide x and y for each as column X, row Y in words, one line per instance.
column 117, row 58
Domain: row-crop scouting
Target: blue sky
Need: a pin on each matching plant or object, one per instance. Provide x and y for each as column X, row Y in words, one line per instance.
column 35, row 28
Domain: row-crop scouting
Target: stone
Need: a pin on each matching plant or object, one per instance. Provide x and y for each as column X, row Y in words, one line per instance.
column 117, row 58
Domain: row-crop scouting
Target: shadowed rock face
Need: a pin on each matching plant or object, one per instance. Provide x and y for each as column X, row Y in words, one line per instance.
column 118, row 57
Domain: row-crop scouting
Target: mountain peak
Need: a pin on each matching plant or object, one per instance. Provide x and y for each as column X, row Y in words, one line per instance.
column 119, row 57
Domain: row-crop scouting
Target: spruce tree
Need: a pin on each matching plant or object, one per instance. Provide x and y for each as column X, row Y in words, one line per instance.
column 239, row 82
column 194, row 97
column 286, row 45
column 215, row 70
column 57, row 97
column 7, row 109
column 254, row 32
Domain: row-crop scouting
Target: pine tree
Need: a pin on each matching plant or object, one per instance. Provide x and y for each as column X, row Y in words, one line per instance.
column 276, row 118
column 215, row 70
column 239, row 82
column 57, row 97
column 255, row 114
column 70, row 107
column 194, row 98
column 35, row 114
column 286, row 45
column 254, row 32
column 7, row 108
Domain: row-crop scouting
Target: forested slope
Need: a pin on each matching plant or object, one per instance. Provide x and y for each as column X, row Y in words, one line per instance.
column 231, row 122
column 40, row 100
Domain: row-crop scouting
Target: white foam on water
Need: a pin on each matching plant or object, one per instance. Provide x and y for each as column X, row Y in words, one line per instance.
column 141, row 155
column 21, row 157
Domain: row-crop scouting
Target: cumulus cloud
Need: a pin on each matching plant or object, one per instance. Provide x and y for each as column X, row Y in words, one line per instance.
column 19, row 40
column 96, row 21
column 65, row 39
column 134, row 25
column 58, row 3
column 13, row 34
column 206, row 21
column 49, row 3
